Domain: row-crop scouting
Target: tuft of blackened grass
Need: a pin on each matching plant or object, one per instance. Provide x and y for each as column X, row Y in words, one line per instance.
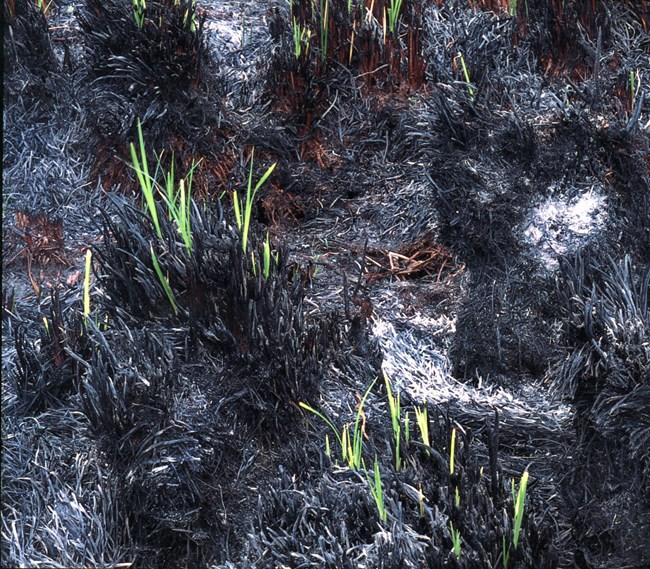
column 328, row 519
column 27, row 43
column 161, row 73
column 607, row 328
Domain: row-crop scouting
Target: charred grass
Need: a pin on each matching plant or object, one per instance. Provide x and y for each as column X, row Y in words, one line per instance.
column 410, row 149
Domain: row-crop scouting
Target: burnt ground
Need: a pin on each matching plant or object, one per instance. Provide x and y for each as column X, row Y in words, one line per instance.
column 459, row 210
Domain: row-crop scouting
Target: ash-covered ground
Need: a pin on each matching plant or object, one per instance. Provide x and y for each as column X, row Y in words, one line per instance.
column 440, row 292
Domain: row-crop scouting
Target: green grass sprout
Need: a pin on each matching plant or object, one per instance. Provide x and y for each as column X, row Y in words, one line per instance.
column 244, row 209
column 324, row 28
column 519, row 507
column 351, row 444
column 393, row 14
column 266, row 270
column 422, row 419
column 141, row 168
column 89, row 257
column 139, row 9
column 376, row 489
column 329, row 423
column 455, row 538
column 301, row 38
column 163, row 280
column 452, row 451
column 178, row 199
column 506, row 552
column 470, row 89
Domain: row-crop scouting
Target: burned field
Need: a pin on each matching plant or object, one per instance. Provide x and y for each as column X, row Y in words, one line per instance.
column 326, row 284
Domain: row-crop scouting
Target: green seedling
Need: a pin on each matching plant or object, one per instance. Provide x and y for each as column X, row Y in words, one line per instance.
column 324, row 27
column 455, row 538
column 89, row 257
column 457, row 497
column 393, row 15
column 266, row 269
column 470, row 89
column 452, row 451
column 141, row 167
column 163, row 281
column 351, row 444
column 395, row 416
column 376, row 489
column 422, row 419
column 139, row 9
column 519, row 507
column 177, row 200
column 519, row 499
column 244, row 208
column 301, row 37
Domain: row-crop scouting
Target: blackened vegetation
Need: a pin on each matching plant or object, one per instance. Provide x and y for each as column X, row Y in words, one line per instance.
column 168, row 434
column 160, row 72
column 28, row 44
column 223, row 297
column 331, row 48
column 606, row 374
column 327, row 520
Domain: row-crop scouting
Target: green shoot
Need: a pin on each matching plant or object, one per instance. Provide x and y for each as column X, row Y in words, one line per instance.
column 163, row 281
column 89, row 256
column 266, row 270
column 178, row 201
column 351, row 444
column 45, row 8
column 253, row 265
column 512, row 7
column 139, row 9
column 354, row 458
column 519, row 507
column 376, row 489
column 324, row 28
column 301, row 36
column 393, row 14
column 329, row 423
column 141, row 168
column 327, row 446
column 455, row 538
column 422, row 419
column 395, row 416
column 457, row 498
column 452, row 452
column 470, row 89
column 244, row 209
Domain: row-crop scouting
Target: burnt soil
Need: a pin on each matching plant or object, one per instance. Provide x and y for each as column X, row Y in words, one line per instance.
column 459, row 213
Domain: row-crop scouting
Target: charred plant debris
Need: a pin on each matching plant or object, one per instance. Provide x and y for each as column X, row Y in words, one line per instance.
column 469, row 178
column 155, row 58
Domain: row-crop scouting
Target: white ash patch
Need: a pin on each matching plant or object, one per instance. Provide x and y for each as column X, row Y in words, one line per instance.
column 422, row 369
column 560, row 225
